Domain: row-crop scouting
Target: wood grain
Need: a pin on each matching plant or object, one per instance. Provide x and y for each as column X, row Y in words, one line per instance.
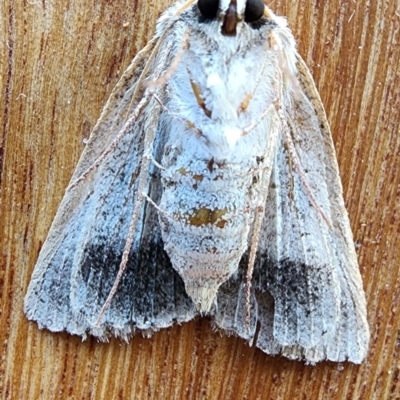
column 58, row 62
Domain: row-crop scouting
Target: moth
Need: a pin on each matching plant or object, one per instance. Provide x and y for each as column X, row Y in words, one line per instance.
column 209, row 186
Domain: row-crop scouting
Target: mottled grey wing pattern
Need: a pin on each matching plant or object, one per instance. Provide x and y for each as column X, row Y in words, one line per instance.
column 79, row 261
column 307, row 285
column 306, row 297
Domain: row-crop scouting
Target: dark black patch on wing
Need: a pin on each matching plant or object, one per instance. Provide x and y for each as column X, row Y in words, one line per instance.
column 150, row 287
column 305, row 297
column 298, row 280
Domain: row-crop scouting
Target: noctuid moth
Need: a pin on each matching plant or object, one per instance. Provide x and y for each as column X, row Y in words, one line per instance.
column 209, row 186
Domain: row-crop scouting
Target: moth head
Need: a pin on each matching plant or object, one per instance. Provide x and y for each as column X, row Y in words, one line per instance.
column 231, row 12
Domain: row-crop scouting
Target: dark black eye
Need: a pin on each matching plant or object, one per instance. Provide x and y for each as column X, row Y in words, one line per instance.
column 208, row 8
column 254, row 10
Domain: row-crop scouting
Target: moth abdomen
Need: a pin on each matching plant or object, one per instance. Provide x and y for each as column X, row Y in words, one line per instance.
column 206, row 235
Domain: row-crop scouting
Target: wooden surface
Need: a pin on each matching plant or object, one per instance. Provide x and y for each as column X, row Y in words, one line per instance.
column 58, row 62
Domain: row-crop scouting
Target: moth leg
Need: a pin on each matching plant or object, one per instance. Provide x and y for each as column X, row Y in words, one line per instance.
column 157, row 207
column 254, row 124
column 149, row 154
column 155, row 162
column 113, row 145
column 142, row 186
column 199, row 96
column 185, row 121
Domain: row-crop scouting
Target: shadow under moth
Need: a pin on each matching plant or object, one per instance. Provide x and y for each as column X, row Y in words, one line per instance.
column 209, row 186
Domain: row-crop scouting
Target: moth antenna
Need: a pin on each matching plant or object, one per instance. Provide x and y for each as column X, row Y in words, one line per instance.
column 282, row 64
column 265, row 171
column 146, row 68
column 284, row 67
column 142, row 179
column 185, row 6
column 115, row 142
column 163, row 79
column 155, row 51
column 143, row 74
column 267, row 12
column 142, row 184
column 127, row 249
column 297, row 166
